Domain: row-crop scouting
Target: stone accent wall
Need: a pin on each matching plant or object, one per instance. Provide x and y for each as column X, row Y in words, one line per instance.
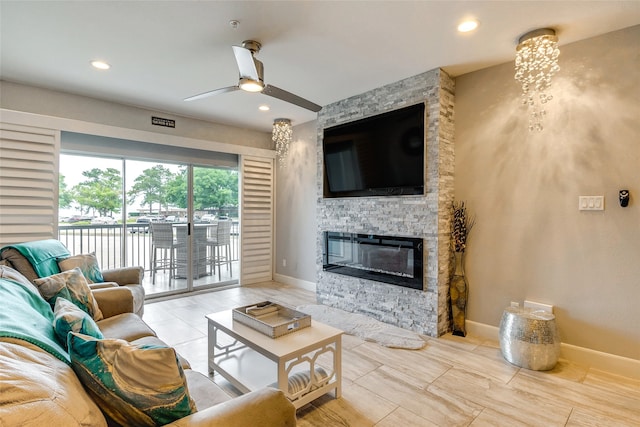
column 426, row 216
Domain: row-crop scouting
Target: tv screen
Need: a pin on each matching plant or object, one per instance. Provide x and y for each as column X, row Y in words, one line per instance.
column 382, row 155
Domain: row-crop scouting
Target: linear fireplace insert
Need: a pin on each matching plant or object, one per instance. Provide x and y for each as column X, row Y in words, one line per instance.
column 388, row 259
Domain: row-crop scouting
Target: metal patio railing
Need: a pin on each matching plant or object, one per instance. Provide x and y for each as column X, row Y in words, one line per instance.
column 107, row 241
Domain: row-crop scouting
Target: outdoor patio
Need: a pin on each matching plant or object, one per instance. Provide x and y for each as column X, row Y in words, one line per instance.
column 130, row 244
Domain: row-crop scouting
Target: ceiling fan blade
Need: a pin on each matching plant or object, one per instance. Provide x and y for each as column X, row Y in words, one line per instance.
column 246, row 63
column 291, row 98
column 212, row 92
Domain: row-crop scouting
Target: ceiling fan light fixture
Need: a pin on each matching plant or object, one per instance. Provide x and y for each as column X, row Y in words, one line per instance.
column 468, row 25
column 249, row 85
column 100, row 65
column 251, row 79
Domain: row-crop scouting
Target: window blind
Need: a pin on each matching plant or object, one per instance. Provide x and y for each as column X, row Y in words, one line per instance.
column 79, row 143
column 28, row 183
column 256, row 221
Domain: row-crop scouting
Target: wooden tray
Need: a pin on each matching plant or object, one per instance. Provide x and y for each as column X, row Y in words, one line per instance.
column 271, row 319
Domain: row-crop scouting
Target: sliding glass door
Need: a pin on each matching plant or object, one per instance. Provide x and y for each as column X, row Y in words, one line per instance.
column 157, row 195
column 215, row 242
column 177, row 220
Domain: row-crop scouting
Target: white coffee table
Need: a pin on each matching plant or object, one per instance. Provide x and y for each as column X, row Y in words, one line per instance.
column 250, row 360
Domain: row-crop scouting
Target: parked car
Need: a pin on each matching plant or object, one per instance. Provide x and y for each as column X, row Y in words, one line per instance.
column 141, row 225
column 78, row 218
column 103, row 220
column 208, row 218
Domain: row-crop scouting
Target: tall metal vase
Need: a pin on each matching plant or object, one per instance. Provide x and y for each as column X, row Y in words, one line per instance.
column 459, row 291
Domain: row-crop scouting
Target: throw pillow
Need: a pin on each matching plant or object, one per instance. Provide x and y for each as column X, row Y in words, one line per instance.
column 19, row 262
column 299, row 382
column 70, row 285
column 88, row 263
column 134, row 385
column 67, row 317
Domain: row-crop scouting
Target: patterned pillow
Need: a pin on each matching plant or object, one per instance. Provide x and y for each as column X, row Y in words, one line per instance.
column 88, row 263
column 70, row 285
column 67, row 317
column 299, row 382
column 134, row 385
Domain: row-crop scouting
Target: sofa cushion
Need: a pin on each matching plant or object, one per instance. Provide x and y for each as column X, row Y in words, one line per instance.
column 263, row 407
column 87, row 263
column 70, row 285
column 134, row 385
column 155, row 341
column 204, row 392
column 67, row 317
column 40, row 390
column 125, row 326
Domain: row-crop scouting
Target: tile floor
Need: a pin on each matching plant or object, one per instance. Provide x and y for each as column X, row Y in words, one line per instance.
column 453, row 381
column 162, row 286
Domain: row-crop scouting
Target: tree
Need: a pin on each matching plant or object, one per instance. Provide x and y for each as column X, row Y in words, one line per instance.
column 100, row 192
column 65, row 195
column 176, row 189
column 151, row 186
column 214, row 188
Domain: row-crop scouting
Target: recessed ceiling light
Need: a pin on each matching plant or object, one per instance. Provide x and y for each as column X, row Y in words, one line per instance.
column 468, row 25
column 100, row 65
column 264, row 108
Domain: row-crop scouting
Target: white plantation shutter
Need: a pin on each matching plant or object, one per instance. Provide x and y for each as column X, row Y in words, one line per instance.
column 256, row 256
column 28, row 183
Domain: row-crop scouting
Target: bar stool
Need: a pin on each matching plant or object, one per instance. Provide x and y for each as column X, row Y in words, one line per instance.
column 222, row 242
column 162, row 239
column 211, row 242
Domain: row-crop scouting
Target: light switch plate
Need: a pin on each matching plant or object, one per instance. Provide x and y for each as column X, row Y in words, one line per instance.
column 591, row 203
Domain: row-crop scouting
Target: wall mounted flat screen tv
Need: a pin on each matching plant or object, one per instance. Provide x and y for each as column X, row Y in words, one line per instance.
column 382, row 155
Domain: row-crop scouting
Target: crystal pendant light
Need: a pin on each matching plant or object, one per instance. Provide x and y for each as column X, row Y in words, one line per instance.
column 282, row 135
column 536, row 62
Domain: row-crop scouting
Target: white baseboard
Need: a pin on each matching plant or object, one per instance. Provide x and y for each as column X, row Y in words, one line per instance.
column 292, row 281
column 482, row 330
column 580, row 355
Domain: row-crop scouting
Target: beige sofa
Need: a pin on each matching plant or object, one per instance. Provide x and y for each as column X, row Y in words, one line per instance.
column 129, row 278
column 39, row 389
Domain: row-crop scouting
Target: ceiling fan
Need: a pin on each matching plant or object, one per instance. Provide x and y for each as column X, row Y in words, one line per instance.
column 252, row 79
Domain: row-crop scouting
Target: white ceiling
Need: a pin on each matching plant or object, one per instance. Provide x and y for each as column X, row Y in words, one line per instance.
column 324, row 51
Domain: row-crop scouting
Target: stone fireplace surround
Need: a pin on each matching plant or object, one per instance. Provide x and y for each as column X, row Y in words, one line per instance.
column 424, row 216
column 390, row 259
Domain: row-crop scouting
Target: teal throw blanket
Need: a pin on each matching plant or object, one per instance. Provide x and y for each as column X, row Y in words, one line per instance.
column 43, row 255
column 25, row 315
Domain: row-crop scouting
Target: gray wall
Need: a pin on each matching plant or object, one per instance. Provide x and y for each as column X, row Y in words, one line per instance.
column 296, row 207
column 530, row 241
column 59, row 104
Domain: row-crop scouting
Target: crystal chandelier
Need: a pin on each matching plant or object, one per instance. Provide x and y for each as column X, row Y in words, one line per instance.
column 281, row 137
column 536, row 62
